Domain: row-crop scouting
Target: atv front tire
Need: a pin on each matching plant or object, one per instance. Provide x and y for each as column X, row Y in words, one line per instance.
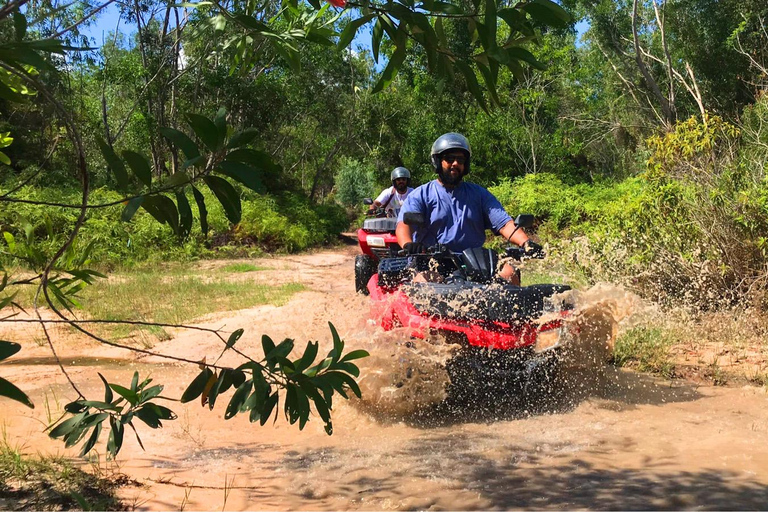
column 365, row 267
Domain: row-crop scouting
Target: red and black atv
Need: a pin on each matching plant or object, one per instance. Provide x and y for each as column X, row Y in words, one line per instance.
column 465, row 301
column 377, row 240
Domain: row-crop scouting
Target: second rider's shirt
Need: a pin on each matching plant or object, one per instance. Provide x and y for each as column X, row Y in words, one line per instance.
column 394, row 205
column 458, row 218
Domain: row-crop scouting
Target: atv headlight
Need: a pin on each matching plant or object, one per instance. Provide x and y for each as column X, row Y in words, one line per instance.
column 547, row 340
column 375, row 241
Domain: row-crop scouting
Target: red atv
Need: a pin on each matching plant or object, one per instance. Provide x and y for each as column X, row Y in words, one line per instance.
column 471, row 305
column 377, row 240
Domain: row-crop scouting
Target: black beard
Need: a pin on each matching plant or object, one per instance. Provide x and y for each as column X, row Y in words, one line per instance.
column 401, row 188
column 447, row 179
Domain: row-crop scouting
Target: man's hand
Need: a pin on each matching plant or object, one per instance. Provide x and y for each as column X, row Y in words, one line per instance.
column 532, row 250
column 414, row 248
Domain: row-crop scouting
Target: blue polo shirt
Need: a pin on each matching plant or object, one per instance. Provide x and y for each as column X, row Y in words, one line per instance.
column 458, row 218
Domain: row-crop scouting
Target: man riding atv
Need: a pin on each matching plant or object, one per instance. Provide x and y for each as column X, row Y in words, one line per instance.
column 457, row 213
column 392, row 198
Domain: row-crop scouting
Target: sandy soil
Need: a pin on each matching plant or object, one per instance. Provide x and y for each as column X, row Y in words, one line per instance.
column 640, row 443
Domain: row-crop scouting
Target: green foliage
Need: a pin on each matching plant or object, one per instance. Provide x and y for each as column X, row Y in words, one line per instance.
column 8, row 389
column 647, row 350
column 354, row 182
column 256, row 383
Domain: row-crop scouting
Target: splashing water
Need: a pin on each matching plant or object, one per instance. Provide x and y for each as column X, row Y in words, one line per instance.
column 405, row 375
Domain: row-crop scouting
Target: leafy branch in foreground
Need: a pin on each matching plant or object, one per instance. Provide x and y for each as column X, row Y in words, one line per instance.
column 257, row 386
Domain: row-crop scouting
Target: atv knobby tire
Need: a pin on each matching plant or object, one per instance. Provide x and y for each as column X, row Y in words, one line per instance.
column 365, row 267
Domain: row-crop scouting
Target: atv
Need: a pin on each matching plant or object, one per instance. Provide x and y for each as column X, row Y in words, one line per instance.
column 465, row 302
column 377, row 240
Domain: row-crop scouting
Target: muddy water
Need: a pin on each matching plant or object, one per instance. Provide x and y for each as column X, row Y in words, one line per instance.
column 636, row 443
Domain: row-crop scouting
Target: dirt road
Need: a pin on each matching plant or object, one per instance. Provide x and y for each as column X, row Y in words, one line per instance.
column 641, row 444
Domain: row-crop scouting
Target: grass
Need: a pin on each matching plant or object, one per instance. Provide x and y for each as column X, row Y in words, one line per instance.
column 171, row 294
column 241, row 267
column 51, row 483
column 646, row 350
column 175, row 299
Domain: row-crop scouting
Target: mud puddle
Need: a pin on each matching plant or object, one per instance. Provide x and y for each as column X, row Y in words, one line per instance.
column 636, row 443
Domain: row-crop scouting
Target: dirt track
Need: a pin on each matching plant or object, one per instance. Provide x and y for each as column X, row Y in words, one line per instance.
column 642, row 444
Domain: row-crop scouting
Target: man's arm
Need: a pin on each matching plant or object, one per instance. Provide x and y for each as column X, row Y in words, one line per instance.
column 519, row 238
column 404, row 234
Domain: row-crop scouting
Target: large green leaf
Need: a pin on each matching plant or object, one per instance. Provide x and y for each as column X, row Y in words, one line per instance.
column 8, row 348
column 227, row 196
column 163, row 209
column 390, row 72
column 472, row 85
column 131, row 208
column 182, row 141
column 114, row 163
column 196, row 387
column 205, row 129
column 517, row 53
column 255, row 158
column 140, row 166
column 8, row 390
column 349, row 32
column 548, row 13
column 202, row 210
column 378, row 32
column 185, row 213
column 243, row 173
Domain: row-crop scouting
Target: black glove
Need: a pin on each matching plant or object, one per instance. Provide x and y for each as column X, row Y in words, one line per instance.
column 413, row 248
column 532, row 250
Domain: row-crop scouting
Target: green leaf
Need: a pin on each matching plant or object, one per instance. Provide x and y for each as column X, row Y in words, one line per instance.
column 20, row 24
column 378, row 32
column 355, row 354
column 115, row 441
column 445, row 7
column 66, row 426
column 8, row 348
column 269, row 405
column 258, row 159
column 140, row 166
column 205, row 129
column 490, row 24
column 182, row 141
column 149, row 416
column 349, row 32
column 338, row 343
column 131, row 208
column 517, row 53
column 185, row 213
column 548, row 13
column 267, row 344
column 8, row 390
column 202, row 210
column 88, row 446
column 472, row 85
column 163, row 209
column 131, row 396
column 310, row 353
column 243, row 137
column 390, row 71
column 227, row 196
column 114, row 163
column 238, row 399
column 220, row 120
column 280, row 351
column 234, row 337
column 196, row 387
column 512, row 17
column 243, row 173
column 107, row 390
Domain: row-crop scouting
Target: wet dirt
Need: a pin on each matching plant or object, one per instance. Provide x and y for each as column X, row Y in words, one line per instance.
column 634, row 442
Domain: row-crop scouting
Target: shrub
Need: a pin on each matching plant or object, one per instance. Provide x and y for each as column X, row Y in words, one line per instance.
column 354, row 181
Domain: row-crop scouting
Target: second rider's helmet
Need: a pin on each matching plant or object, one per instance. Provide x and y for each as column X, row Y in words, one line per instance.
column 400, row 172
column 448, row 142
